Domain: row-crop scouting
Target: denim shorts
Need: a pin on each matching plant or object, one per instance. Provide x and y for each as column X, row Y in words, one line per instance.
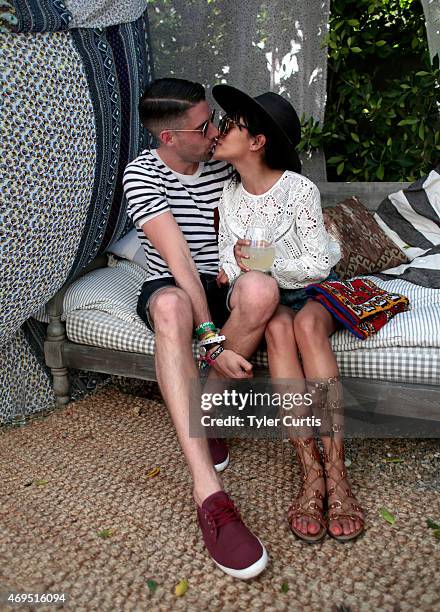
column 215, row 296
column 296, row 298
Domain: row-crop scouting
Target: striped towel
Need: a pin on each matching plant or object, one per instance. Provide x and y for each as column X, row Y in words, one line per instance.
column 360, row 305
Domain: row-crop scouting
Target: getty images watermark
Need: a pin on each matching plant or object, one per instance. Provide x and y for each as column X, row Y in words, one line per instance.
column 253, row 408
column 262, row 408
column 250, row 403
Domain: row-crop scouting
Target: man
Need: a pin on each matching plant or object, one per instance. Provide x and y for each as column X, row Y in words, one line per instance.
column 172, row 193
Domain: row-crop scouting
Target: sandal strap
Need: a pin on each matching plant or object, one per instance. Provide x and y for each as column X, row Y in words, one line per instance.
column 342, row 502
column 309, row 501
column 338, row 516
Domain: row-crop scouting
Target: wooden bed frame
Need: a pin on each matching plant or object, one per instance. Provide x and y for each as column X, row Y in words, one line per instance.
column 423, row 401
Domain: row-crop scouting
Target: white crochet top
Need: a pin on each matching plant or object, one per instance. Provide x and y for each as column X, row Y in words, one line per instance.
column 304, row 251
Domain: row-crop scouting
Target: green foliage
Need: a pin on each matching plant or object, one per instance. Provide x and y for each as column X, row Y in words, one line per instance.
column 383, row 103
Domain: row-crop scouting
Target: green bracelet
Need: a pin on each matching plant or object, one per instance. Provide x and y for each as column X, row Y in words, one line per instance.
column 204, row 327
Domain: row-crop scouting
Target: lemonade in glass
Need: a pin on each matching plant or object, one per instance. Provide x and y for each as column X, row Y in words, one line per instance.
column 261, row 250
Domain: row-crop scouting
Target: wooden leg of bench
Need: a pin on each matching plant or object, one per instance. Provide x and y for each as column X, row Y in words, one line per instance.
column 61, row 385
column 53, row 351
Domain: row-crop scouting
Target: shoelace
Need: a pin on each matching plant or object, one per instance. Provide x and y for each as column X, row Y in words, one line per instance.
column 226, row 513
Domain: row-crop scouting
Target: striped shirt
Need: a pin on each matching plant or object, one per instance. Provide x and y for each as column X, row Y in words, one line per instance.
column 152, row 188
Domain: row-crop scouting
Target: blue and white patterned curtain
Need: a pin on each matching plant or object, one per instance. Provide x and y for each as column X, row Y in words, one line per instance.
column 69, row 127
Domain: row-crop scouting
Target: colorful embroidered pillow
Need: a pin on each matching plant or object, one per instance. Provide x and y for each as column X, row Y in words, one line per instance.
column 365, row 246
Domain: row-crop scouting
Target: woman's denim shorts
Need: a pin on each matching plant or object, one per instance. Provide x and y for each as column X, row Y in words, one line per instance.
column 296, row 298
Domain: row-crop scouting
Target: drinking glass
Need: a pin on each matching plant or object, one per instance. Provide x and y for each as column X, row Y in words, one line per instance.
column 261, row 250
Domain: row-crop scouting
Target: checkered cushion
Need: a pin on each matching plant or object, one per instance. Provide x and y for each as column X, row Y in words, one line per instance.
column 409, row 364
column 96, row 328
column 100, row 310
column 395, row 364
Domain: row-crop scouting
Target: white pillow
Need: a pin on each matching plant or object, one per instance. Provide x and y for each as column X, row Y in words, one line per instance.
column 130, row 247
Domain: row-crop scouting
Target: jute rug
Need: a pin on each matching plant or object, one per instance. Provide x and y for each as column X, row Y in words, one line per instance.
column 80, row 515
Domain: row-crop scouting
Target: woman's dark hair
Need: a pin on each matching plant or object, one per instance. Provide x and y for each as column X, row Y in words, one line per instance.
column 275, row 155
column 166, row 100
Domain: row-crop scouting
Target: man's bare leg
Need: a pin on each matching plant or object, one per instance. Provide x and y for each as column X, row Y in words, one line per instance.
column 172, row 315
column 232, row 546
column 253, row 301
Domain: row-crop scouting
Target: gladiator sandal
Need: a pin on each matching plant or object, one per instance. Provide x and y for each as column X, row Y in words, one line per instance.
column 342, row 504
column 309, row 503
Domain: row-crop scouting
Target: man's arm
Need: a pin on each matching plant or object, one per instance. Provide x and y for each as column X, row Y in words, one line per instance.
column 167, row 238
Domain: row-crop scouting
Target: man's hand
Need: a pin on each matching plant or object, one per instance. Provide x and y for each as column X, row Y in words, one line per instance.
column 222, row 278
column 231, row 365
column 239, row 255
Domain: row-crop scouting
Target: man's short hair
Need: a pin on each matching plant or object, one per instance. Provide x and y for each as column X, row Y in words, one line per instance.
column 166, row 100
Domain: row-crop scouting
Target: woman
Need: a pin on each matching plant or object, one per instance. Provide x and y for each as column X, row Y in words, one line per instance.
column 258, row 136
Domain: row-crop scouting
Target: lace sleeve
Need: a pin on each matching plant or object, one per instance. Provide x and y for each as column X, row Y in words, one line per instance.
column 306, row 254
column 226, row 242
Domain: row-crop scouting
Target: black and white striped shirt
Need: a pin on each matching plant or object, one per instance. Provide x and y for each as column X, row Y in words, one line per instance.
column 152, row 188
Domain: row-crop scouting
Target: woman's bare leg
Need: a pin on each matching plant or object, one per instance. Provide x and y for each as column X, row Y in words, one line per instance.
column 312, row 327
column 284, row 363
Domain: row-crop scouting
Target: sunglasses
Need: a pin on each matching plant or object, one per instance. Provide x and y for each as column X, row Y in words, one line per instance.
column 203, row 128
column 226, row 124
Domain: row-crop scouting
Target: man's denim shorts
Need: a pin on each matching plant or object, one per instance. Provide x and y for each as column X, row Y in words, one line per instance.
column 296, row 298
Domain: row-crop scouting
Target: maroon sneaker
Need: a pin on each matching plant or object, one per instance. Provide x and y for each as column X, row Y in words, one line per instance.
column 219, row 453
column 231, row 545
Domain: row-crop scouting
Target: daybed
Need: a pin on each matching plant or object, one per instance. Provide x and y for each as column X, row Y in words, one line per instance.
column 94, row 326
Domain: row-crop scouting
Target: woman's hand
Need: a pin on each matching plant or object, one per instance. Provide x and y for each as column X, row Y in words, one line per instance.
column 222, row 278
column 239, row 255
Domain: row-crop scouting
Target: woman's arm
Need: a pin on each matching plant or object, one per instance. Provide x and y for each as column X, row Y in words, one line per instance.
column 317, row 252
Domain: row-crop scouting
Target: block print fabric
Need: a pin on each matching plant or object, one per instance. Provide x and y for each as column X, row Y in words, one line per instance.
column 69, row 126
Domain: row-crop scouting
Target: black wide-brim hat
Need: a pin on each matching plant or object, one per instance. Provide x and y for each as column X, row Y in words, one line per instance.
column 279, row 115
